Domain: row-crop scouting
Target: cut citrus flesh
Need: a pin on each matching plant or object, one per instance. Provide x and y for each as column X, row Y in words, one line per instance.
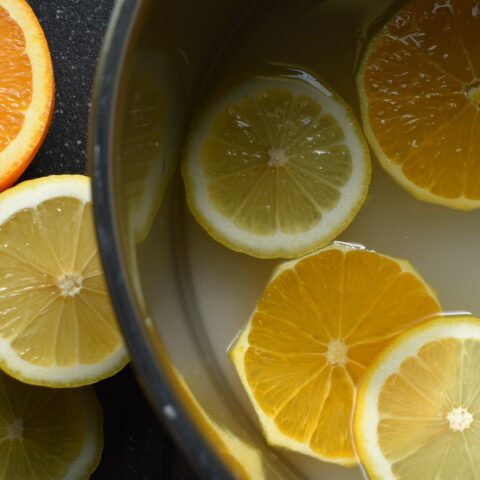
column 48, row 434
column 319, row 323
column 57, row 326
column 276, row 168
column 26, row 89
column 150, row 141
column 418, row 405
column 419, row 88
column 244, row 460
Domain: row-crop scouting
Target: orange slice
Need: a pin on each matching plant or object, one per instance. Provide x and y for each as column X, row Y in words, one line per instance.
column 26, row 89
column 417, row 408
column 319, row 323
column 419, row 88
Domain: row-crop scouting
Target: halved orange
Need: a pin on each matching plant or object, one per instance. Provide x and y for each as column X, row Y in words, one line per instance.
column 318, row 325
column 419, row 88
column 26, row 89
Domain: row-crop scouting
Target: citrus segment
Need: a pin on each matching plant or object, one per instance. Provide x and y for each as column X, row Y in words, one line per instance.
column 416, row 414
column 48, row 434
column 26, row 88
column 57, row 325
column 418, row 87
column 317, row 326
column 15, row 64
column 277, row 168
column 244, row 460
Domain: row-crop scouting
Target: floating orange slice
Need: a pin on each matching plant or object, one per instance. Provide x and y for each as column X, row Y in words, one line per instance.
column 318, row 325
column 419, row 88
column 26, row 89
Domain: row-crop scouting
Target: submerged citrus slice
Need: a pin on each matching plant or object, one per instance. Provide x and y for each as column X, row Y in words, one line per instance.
column 419, row 87
column 48, row 434
column 418, row 405
column 319, row 323
column 276, row 168
column 244, row 461
column 26, row 89
column 150, row 141
column 57, row 325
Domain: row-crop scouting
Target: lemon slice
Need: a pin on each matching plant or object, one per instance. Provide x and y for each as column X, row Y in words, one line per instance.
column 277, row 168
column 243, row 459
column 48, row 434
column 316, row 328
column 150, row 139
column 57, row 326
column 418, row 405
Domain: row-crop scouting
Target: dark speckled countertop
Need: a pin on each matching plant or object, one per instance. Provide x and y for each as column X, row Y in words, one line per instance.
column 136, row 444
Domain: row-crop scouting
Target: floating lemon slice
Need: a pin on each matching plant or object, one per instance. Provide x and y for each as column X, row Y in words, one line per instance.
column 242, row 458
column 26, row 89
column 150, row 141
column 318, row 325
column 417, row 413
column 276, row 168
column 57, row 326
column 419, row 88
column 48, row 434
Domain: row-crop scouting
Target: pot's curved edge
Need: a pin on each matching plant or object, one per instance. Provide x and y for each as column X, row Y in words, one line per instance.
column 158, row 380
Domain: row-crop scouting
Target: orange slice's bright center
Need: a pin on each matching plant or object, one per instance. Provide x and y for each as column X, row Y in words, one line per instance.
column 473, row 93
column 337, row 352
column 459, row 419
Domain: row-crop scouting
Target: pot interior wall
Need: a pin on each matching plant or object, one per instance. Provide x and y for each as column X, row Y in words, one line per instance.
column 174, row 47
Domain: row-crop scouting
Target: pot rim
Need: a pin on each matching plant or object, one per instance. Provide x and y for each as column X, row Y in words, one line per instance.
column 157, row 379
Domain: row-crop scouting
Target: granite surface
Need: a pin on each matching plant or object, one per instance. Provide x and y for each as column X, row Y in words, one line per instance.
column 136, row 444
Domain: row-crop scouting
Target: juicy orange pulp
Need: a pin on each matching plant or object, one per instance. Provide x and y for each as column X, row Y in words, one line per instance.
column 317, row 327
column 15, row 79
column 421, row 80
column 26, row 89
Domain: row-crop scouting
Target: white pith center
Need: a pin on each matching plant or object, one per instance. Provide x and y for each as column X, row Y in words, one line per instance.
column 277, row 157
column 460, row 419
column 473, row 93
column 337, row 353
column 70, row 284
column 15, row 430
